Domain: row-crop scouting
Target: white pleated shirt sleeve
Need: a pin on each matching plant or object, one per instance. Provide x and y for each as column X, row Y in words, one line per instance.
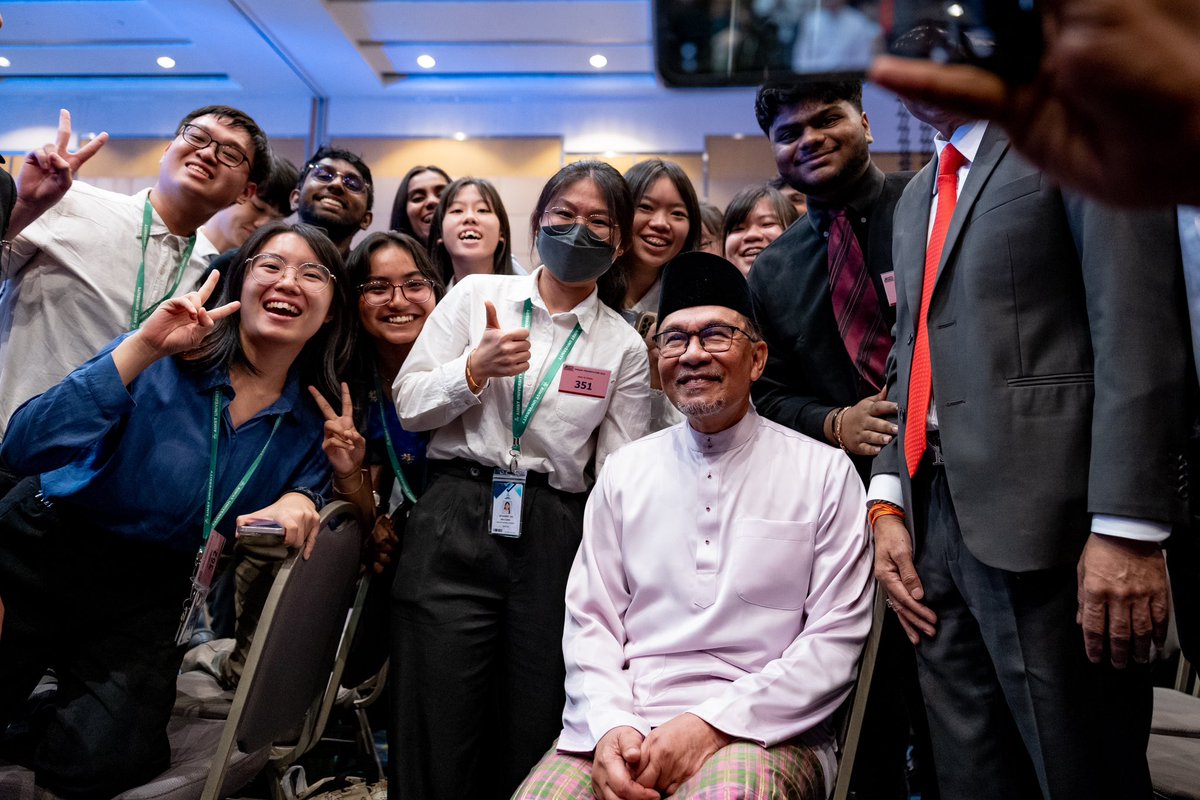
column 431, row 388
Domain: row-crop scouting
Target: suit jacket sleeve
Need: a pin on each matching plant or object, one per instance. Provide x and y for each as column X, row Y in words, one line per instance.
column 775, row 396
column 1130, row 270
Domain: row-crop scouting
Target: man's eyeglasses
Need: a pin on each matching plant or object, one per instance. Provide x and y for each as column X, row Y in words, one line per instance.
column 350, row 181
column 561, row 220
column 713, row 339
column 198, row 138
column 379, row 293
column 268, row 269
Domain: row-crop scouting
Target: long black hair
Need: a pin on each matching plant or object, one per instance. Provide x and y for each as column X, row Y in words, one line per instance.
column 400, row 221
column 501, row 258
column 611, row 285
column 324, row 354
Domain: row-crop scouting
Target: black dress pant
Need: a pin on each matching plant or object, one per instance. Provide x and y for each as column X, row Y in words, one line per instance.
column 1015, row 708
column 102, row 612
column 477, row 630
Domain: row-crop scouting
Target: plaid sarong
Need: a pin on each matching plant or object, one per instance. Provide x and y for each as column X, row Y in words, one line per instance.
column 739, row 771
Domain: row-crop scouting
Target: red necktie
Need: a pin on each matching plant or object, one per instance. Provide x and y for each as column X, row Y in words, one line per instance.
column 855, row 303
column 919, row 381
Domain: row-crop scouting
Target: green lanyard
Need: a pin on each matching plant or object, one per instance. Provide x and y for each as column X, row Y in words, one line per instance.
column 391, row 449
column 521, row 417
column 210, row 521
column 138, row 315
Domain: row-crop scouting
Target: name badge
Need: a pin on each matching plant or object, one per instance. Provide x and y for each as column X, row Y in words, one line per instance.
column 889, row 286
column 584, row 381
column 508, row 490
column 194, row 613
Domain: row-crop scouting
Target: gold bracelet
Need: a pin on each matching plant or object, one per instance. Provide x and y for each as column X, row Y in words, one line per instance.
column 472, row 384
column 362, row 476
column 837, row 429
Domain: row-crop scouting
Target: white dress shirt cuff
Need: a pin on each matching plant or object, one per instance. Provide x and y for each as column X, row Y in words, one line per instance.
column 886, row 488
column 1140, row 530
column 454, row 386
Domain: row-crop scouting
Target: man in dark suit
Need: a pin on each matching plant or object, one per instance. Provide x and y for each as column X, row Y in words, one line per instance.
column 1040, row 384
column 817, row 374
column 822, row 293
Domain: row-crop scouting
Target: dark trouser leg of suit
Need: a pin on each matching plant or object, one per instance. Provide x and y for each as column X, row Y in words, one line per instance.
column 539, row 563
column 107, row 613
column 1013, row 703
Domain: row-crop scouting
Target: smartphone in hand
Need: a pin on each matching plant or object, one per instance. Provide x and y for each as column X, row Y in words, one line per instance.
column 266, row 531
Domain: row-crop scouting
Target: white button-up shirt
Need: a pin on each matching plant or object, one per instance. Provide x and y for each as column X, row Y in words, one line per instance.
column 726, row 575
column 68, row 289
column 567, row 430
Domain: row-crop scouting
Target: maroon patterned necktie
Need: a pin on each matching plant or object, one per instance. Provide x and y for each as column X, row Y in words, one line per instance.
column 856, row 304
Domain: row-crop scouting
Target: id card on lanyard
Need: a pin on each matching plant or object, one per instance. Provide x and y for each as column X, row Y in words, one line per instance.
column 508, row 485
column 210, row 550
column 137, row 314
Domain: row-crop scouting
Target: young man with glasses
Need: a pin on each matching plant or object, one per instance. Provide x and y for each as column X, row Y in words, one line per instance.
column 336, row 194
column 98, row 263
column 722, row 590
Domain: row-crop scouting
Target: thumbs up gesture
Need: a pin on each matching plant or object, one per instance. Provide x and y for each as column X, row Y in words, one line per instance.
column 500, row 354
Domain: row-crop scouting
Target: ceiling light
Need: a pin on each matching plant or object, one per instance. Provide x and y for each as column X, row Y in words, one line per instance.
column 426, row 61
column 460, row 137
column 4, row 62
column 166, row 62
column 955, row 10
column 598, row 61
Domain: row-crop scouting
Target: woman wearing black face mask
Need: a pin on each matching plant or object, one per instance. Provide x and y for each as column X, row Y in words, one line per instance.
column 528, row 382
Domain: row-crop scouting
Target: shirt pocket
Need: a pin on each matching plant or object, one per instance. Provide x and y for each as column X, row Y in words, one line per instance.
column 772, row 561
column 580, row 412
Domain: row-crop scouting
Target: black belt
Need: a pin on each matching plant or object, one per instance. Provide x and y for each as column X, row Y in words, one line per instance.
column 472, row 471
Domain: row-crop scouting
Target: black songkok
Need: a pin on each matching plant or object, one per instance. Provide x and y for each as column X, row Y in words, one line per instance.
column 703, row 279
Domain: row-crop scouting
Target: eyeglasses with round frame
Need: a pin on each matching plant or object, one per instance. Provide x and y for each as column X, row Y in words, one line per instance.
column 713, row 339
column 197, row 138
column 560, row 220
column 351, row 182
column 268, row 269
column 381, row 292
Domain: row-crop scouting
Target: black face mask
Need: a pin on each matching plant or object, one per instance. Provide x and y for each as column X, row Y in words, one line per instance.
column 575, row 256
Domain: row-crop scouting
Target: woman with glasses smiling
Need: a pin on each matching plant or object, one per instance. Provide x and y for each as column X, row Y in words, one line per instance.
column 163, row 443
column 527, row 384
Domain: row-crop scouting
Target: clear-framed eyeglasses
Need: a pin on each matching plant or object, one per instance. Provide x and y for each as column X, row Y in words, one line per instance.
column 268, row 269
column 560, row 220
column 351, row 182
column 198, row 138
column 713, row 339
column 380, row 293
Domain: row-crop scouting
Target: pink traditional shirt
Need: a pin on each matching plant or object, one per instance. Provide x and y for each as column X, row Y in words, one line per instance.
column 726, row 575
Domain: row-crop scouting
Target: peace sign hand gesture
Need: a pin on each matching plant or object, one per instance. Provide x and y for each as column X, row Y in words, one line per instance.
column 181, row 323
column 344, row 446
column 178, row 324
column 47, row 173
